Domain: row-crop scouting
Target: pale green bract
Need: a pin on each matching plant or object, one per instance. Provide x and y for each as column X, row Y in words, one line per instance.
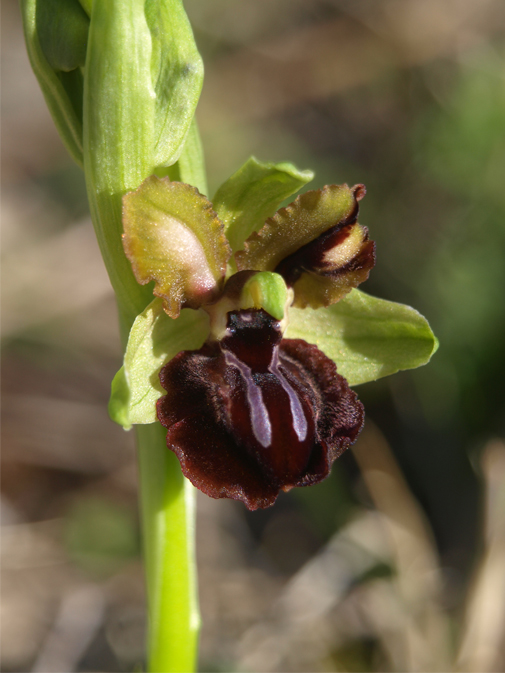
column 366, row 337
column 150, row 51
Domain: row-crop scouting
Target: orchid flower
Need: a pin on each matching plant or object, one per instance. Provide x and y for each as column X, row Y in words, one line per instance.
column 226, row 357
column 255, row 309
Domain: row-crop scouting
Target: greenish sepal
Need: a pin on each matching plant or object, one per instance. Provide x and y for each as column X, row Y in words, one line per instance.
column 177, row 77
column 59, row 102
column 366, row 337
column 253, row 194
column 119, row 402
column 154, row 340
column 268, row 291
column 62, row 29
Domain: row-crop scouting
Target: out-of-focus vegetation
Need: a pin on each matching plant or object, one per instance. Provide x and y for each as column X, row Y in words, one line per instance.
column 397, row 562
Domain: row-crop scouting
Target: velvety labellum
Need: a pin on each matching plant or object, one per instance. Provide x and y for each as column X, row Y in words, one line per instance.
column 253, row 414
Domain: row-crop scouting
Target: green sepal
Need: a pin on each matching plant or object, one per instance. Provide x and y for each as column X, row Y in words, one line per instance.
column 366, row 337
column 253, row 194
column 177, row 77
column 62, row 29
column 154, row 340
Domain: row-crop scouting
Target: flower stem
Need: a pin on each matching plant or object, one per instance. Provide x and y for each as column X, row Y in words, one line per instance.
column 168, row 512
column 141, row 82
column 118, row 141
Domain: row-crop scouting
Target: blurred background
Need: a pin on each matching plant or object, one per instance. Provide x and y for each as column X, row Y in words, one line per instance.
column 397, row 561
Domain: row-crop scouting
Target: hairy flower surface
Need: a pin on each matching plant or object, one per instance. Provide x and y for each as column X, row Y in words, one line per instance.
column 253, row 413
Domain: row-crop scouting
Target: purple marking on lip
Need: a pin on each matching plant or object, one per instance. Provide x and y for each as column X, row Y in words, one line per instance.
column 260, row 421
column 299, row 420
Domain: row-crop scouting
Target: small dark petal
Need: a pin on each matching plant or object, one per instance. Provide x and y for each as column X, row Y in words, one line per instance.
column 310, row 257
column 324, row 270
column 362, row 263
column 252, row 415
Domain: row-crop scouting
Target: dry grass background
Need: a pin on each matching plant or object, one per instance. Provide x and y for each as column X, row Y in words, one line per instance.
column 383, row 568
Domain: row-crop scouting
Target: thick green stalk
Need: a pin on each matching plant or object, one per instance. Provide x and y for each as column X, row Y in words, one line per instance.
column 142, row 81
column 168, row 514
column 118, row 156
column 118, row 124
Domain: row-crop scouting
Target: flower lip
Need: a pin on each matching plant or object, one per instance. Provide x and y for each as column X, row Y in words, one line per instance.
column 252, row 414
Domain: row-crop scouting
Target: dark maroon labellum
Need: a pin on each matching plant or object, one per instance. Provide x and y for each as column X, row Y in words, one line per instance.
column 254, row 413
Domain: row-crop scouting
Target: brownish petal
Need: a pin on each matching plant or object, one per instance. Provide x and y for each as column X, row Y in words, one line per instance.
column 172, row 236
column 316, row 244
column 310, row 216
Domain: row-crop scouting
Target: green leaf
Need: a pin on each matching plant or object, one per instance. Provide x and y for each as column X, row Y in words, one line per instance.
column 177, row 75
column 61, row 103
column 253, row 194
column 118, row 133
column 62, row 28
column 189, row 167
column 366, row 337
column 154, row 340
column 173, row 236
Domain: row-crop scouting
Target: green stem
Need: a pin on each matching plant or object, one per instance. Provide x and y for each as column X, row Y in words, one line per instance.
column 118, row 142
column 142, row 80
column 168, row 511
